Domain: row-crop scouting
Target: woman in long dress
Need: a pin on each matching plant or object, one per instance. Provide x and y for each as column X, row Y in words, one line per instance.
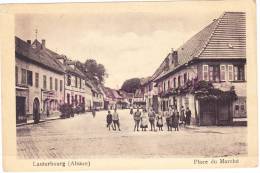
column 144, row 123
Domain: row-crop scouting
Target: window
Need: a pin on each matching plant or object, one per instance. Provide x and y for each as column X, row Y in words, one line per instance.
column 237, row 107
column 174, row 82
column 169, row 86
column 80, row 99
column 185, row 77
column 164, row 87
column 36, row 80
column 44, row 82
column 239, row 73
column 76, row 82
column 80, row 85
column 222, row 72
column 23, row 79
column 179, row 81
column 16, row 74
column 205, row 69
column 68, row 80
column 56, row 84
column 50, row 83
column 211, row 73
column 61, row 85
column 29, row 77
column 230, row 72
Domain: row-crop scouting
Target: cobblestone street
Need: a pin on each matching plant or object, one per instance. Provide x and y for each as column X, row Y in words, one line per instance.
column 86, row 137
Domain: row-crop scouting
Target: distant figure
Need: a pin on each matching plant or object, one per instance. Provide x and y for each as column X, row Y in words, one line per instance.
column 182, row 118
column 168, row 118
column 160, row 121
column 188, row 116
column 109, row 120
column 93, row 112
column 115, row 119
column 144, row 123
column 131, row 111
column 137, row 118
column 176, row 121
column 151, row 115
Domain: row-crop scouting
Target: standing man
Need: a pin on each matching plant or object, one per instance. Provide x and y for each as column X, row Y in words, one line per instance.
column 137, row 118
column 115, row 119
column 151, row 115
column 182, row 118
column 188, row 116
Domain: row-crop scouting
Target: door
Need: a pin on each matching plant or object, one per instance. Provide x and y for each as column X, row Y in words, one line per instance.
column 20, row 110
column 224, row 116
column 36, row 110
column 207, row 113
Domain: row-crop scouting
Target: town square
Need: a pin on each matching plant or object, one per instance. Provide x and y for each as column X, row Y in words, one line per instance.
column 131, row 88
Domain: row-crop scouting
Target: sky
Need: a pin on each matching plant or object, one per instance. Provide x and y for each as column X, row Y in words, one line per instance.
column 129, row 43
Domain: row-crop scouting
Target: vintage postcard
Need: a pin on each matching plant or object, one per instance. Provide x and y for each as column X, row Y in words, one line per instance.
column 129, row 85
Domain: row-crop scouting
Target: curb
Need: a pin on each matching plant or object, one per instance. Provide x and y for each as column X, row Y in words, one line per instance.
column 41, row 121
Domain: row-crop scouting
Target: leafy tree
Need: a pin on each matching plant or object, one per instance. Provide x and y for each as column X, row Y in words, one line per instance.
column 93, row 70
column 131, row 85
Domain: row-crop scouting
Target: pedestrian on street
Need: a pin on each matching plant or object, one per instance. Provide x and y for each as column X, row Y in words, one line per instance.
column 176, row 121
column 168, row 118
column 93, row 112
column 131, row 111
column 137, row 118
column 188, row 116
column 159, row 123
column 115, row 119
column 144, row 123
column 109, row 120
column 182, row 118
column 151, row 115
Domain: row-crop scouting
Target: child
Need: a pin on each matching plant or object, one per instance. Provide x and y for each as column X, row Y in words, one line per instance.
column 144, row 123
column 160, row 122
column 109, row 120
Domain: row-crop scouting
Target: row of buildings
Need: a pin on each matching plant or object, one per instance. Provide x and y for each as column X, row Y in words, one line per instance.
column 45, row 80
column 207, row 74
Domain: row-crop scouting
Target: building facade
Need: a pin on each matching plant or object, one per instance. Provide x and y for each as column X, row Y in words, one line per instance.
column 39, row 82
column 216, row 56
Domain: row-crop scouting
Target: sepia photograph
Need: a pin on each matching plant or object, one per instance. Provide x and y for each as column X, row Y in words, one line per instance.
column 106, row 82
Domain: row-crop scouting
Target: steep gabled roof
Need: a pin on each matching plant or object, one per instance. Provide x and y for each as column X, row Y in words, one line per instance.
column 25, row 50
column 224, row 38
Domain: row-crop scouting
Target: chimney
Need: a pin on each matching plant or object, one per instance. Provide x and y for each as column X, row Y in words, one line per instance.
column 29, row 42
column 43, row 43
column 175, row 57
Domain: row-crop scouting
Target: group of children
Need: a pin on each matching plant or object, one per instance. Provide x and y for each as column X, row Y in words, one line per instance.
column 172, row 116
